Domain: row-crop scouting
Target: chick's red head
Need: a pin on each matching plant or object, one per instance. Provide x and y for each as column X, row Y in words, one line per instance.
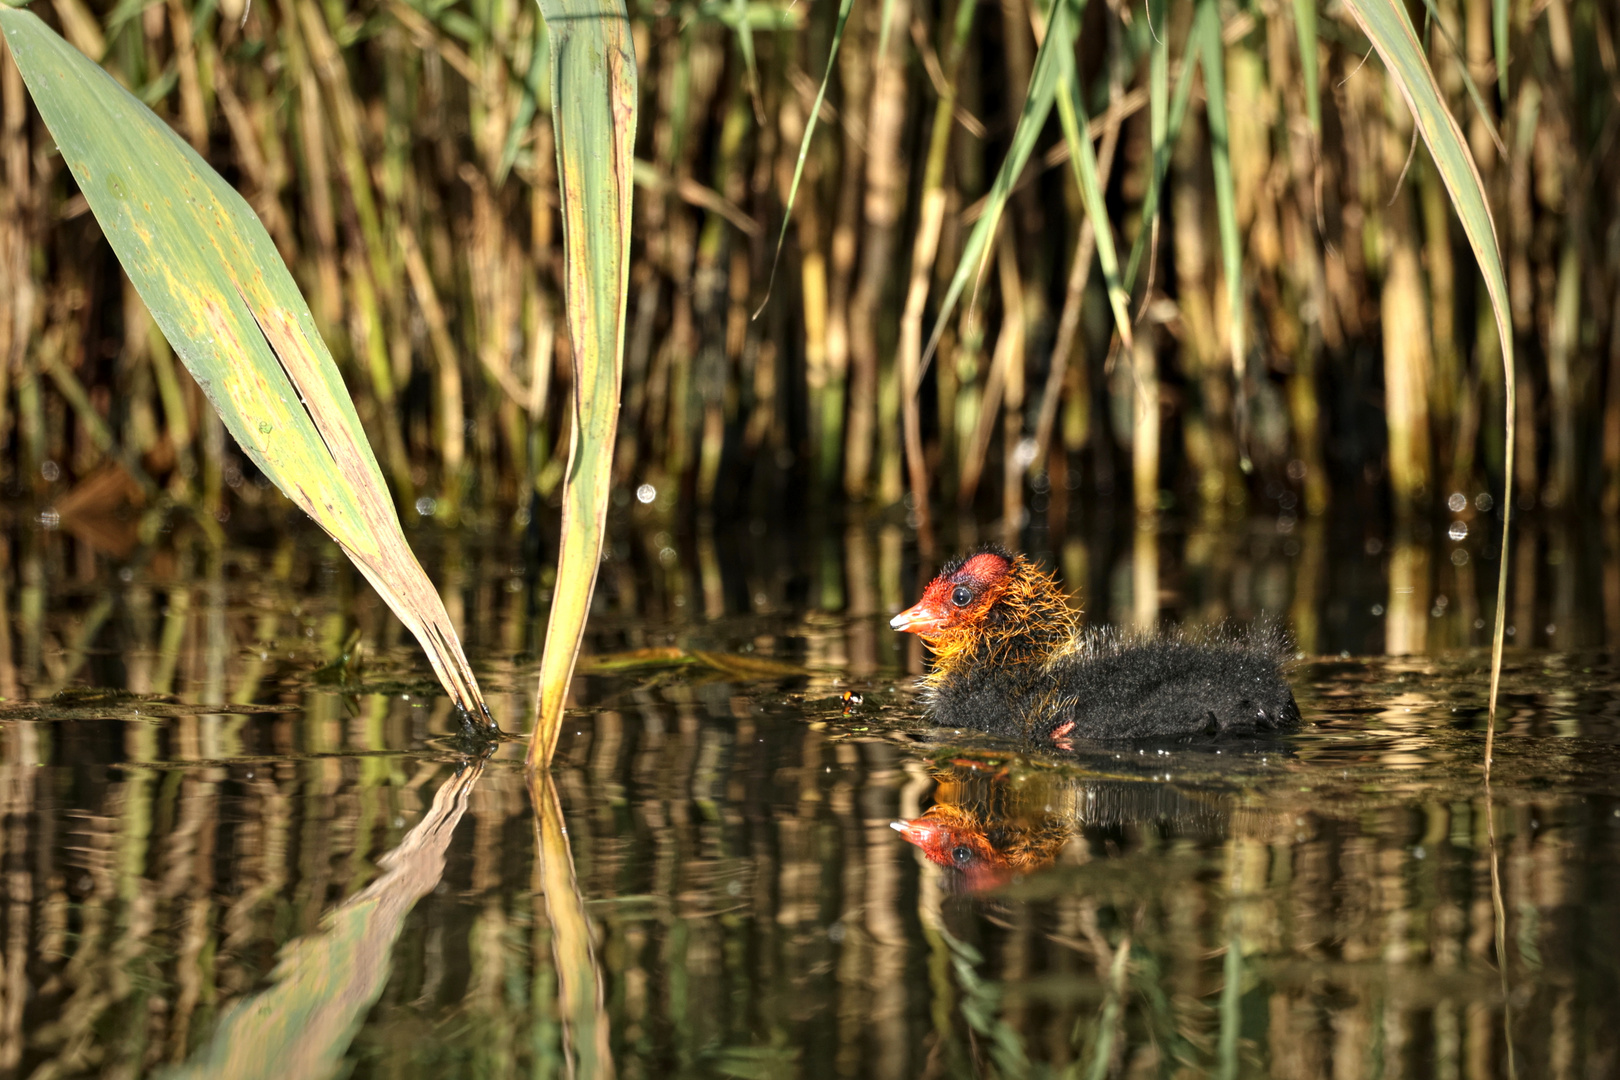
column 959, row 598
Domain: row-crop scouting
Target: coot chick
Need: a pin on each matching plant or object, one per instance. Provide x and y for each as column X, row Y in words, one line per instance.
column 1009, row 660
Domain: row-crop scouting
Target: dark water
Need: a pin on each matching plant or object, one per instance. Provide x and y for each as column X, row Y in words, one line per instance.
column 224, row 854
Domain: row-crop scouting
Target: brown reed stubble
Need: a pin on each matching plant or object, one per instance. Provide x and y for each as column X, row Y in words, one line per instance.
column 373, row 149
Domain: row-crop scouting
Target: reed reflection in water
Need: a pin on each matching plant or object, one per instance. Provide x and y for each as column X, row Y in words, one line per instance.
column 194, row 793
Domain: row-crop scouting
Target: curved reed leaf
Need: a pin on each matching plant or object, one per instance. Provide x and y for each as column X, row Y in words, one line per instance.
column 593, row 111
column 215, row 285
column 1388, row 28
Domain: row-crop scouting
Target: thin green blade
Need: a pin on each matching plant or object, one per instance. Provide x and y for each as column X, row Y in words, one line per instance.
column 1083, row 159
column 1043, row 82
column 804, row 147
column 215, row 285
column 593, row 110
column 1391, row 33
column 1162, row 131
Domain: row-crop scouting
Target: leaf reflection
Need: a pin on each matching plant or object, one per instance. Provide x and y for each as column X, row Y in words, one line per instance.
column 300, row 1028
column 579, row 979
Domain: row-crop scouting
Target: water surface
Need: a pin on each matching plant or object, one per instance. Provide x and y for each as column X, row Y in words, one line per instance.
column 227, row 850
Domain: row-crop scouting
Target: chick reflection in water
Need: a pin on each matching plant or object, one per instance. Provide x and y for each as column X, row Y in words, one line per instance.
column 988, row 827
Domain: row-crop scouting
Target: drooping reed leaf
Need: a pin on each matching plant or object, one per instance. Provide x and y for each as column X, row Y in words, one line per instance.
column 215, row 285
column 593, row 113
column 1207, row 35
column 1386, row 25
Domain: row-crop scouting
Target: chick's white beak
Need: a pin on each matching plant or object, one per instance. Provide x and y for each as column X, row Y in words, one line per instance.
column 920, row 618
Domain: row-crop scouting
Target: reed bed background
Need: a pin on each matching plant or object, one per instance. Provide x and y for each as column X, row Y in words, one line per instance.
column 401, row 157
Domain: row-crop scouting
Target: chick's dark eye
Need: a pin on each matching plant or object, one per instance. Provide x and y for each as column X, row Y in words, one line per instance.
column 961, row 854
column 961, row 596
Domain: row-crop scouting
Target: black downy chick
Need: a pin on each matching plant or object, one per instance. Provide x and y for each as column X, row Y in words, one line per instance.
column 1009, row 660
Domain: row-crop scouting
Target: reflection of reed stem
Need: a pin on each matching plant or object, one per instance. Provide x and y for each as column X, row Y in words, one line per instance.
column 1497, row 906
column 579, row 979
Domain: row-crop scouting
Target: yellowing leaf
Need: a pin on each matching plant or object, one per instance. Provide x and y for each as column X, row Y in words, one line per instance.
column 1390, row 32
column 593, row 110
column 215, row 285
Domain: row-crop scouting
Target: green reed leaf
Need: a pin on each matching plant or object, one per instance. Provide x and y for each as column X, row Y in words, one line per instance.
column 1083, row 158
column 1386, row 25
column 804, row 147
column 745, row 43
column 1043, row 83
column 593, row 111
column 1165, row 116
column 216, row 287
